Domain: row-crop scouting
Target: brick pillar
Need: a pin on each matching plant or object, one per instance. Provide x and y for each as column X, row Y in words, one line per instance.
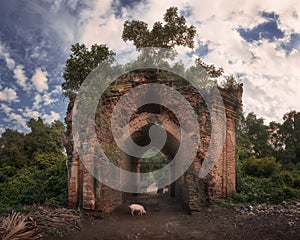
column 229, row 161
column 88, row 184
column 73, row 184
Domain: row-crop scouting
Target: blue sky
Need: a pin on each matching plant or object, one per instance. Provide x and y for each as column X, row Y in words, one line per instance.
column 259, row 41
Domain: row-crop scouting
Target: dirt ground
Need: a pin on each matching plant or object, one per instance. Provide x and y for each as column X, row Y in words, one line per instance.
column 165, row 219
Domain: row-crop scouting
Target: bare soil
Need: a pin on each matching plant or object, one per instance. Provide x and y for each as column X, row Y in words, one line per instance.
column 166, row 219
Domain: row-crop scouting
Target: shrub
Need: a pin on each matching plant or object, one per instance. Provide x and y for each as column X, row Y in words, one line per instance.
column 282, row 185
column 33, row 185
column 261, row 167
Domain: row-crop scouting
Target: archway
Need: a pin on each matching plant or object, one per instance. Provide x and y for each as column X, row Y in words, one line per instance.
column 193, row 192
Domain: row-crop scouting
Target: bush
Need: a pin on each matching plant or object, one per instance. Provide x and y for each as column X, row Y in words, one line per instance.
column 261, row 167
column 33, row 185
column 279, row 186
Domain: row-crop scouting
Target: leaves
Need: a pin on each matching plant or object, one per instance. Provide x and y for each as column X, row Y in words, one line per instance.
column 81, row 62
column 173, row 32
column 261, row 167
column 260, row 176
column 42, row 174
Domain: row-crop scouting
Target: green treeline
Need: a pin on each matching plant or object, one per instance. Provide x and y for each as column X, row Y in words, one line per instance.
column 268, row 159
column 33, row 166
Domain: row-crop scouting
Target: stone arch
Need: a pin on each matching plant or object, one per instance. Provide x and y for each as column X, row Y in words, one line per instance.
column 193, row 192
column 139, row 128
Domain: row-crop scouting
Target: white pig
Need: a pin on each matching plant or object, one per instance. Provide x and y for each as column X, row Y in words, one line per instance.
column 137, row 207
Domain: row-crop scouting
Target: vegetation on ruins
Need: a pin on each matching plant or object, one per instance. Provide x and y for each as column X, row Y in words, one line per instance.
column 174, row 32
column 32, row 165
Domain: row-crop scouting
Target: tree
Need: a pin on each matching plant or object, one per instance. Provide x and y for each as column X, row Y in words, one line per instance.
column 252, row 137
column 81, row 62
column 44, row 138
column 243, row 144
column 285, row 138
column 258, row 135
column 32, row 166
column 291, row 134
column 173, row 32
column 261, row 167
column 12, row 152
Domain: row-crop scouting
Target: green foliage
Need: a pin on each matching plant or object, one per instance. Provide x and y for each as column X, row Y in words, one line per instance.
column 264, row 190
column 262, row 181
column 258, row 135
column 252, row 137
column 230, row 84
column 149, row 164
column 42, row 175
column 285, row 138
column 211, row 70
column 266, row 167
column 153, row 163
column 261, row 167
column 56, row 233
column 243, row 143
column 81, row 62
column 12, row 151
column 173, row 32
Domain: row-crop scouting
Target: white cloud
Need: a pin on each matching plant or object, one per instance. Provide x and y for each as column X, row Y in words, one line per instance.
column 4, row 53
column 19, row 74
column 30, row 113
column 63, row 29
column 55, row 5
column 39, row 52
column 72, row 4
column 57, row 90
column 6, row 109
column 37, row 101
column 49, row 118
column 48, row 99
column 39, row 80
column 8, row 94
column 272, row 82
column 18, row 120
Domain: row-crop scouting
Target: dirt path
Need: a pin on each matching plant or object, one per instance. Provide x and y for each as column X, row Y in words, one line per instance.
column 165, row 219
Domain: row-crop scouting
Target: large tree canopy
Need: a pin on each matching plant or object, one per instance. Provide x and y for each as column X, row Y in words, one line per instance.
column 173, row 32
column 81, row 62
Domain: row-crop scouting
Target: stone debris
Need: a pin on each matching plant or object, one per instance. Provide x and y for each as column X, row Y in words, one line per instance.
column 264, row 209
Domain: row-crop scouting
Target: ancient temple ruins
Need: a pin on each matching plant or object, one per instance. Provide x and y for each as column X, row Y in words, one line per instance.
column 87, row 192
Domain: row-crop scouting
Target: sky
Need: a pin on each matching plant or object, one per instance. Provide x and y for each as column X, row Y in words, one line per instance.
column 256, row 41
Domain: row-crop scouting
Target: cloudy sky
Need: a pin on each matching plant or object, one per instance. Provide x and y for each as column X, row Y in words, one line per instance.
column 257, row 41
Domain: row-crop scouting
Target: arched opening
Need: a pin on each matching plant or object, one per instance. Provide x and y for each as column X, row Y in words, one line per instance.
column 151, row 161
column 150, row 186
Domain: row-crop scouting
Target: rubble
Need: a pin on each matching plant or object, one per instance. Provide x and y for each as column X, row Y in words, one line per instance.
column 264, row 209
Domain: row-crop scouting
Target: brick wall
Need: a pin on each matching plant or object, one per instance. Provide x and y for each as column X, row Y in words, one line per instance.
column 88, row 192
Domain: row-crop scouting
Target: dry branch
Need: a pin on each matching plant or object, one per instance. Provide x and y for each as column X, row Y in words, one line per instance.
column 17, row 226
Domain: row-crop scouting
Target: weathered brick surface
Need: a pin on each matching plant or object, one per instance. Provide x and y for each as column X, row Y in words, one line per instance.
column 89, row 193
